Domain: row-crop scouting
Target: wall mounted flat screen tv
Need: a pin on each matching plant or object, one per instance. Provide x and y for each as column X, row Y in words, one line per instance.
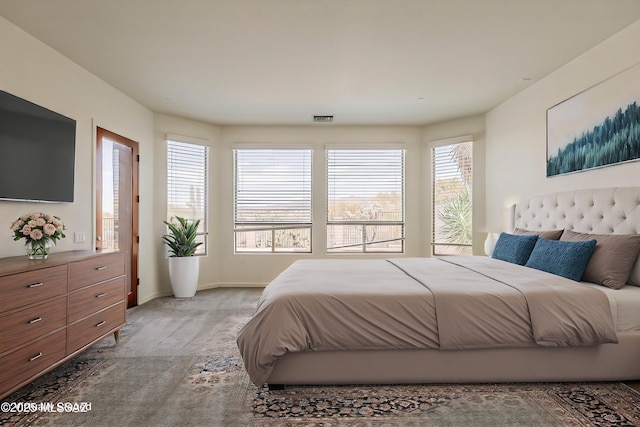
column 37, row 152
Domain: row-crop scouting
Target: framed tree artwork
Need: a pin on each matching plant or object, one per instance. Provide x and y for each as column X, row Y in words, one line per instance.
column 596, row 128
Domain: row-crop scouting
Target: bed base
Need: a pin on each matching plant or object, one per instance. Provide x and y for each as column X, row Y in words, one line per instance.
column 275, row 387
column 607, row 362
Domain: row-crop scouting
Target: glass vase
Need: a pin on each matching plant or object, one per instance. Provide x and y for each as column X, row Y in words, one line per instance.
column 38, row 249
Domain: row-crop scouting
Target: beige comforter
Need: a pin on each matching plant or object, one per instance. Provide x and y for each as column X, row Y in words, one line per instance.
column 450, row 303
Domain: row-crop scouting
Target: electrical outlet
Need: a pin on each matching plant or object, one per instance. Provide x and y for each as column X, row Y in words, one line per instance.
column 79, row 237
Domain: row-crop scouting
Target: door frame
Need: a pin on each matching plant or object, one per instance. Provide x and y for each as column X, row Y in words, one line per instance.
column 132, row 296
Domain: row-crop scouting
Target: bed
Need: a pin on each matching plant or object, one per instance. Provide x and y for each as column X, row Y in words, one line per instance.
column 388, row 321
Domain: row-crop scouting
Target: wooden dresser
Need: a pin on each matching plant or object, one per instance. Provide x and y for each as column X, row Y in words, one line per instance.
column 51, row 310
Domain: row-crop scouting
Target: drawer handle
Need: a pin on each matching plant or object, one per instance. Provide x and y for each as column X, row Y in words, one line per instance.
column 101, row 295
column 101, row 323
column 104, row 267
column 36, row 320
column 37, row 356
column 35, row 285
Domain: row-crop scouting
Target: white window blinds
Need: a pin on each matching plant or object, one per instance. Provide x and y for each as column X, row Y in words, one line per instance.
column 452, row 198
column 365, row 200
column 273, row 210
column 187, row 176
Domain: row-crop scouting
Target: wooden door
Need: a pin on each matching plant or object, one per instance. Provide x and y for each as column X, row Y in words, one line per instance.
column 117, row 202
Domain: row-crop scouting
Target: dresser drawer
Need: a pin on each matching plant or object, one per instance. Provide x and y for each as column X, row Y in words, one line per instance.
column 87, row 330
column 96, row 269
column 32, row 286
column 23, row 364
column 90, row 299
column 22, row 326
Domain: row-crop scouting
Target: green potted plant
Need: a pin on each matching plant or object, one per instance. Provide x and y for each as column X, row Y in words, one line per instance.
column 183, row 265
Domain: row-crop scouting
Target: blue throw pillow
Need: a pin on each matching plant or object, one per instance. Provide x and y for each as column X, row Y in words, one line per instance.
column 513, row 248
column 566, row 259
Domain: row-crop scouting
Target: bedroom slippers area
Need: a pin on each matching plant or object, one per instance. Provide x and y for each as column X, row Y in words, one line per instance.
column 177, row 364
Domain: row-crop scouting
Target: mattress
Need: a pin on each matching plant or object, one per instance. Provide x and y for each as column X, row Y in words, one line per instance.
column 625, row 306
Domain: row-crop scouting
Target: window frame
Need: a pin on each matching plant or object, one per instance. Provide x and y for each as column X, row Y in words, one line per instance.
column 273, row 227
column 335, row 250
column 432, row 147
column 203, row 233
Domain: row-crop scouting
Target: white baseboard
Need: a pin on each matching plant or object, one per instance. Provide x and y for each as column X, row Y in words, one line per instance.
column 154, row 296
column 203, row 288
column 231, row 285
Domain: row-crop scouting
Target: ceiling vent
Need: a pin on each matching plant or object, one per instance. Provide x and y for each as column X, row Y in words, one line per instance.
column 323, row 119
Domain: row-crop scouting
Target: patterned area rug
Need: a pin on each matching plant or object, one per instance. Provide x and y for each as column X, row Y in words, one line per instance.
column 53, row 387
column 153, row 379
column 531, row 404
column 577, row 404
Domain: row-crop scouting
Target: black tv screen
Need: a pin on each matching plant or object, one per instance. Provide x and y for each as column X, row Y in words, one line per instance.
column 37, row 152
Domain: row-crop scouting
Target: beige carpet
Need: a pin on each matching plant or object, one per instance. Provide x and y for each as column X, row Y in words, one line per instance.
column 177, row 364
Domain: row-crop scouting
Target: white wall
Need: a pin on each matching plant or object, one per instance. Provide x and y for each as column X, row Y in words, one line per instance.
column 259, row 269
column 222, row 267
column 513, row 150
column 43, row 76
column 516, row 131
column 33, row 71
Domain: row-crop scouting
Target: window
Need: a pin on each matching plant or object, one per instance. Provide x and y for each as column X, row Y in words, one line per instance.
column 365, row 200
column 452, row 201
column 187, row 175
column 272, row 200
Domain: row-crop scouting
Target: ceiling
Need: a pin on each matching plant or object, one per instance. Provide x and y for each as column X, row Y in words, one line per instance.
column 279, row 62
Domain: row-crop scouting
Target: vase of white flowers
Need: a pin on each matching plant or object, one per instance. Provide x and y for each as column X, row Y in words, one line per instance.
column 40, row 231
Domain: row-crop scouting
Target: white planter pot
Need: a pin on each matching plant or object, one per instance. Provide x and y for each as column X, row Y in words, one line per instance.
column 183, row 272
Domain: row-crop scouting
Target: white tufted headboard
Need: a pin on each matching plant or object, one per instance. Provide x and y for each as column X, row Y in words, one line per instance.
column 598, row 211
